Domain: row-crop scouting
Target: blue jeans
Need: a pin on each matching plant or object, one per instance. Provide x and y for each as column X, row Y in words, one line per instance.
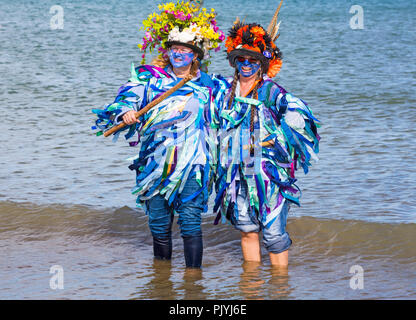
column 275, row 237
column 190, row 213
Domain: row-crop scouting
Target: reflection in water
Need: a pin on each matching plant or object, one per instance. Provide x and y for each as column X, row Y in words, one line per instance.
column 161, row 287
column 192, row 284
column 251, row 281
column 279, row 283
column 256, row 284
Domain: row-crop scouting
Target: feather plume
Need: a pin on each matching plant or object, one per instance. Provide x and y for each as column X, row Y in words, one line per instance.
column 272, row 24
column 275, row 32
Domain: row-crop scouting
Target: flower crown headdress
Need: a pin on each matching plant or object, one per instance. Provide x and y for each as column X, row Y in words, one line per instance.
column 252, row 39
column 184, row 23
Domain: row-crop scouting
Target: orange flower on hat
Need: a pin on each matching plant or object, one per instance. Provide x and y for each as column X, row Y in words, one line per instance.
column 248, row 47
column 258, row 31
column 257, row 41
column 274, row 67
column 229, row 44
column 240, row 31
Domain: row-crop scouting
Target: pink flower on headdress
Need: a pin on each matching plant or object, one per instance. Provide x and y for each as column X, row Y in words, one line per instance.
column 144, row 43
column 180, row 15
column 222, row 36
column 148, row 36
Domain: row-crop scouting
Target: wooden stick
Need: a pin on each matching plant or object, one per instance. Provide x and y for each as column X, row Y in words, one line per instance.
column 153, row 103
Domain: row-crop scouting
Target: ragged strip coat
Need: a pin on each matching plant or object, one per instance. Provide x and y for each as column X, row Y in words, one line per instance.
column 177, row 138
column 284, row 139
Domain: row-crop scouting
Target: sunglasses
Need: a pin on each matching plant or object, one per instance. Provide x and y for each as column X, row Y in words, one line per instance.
column 181, row 50
column 251, row 60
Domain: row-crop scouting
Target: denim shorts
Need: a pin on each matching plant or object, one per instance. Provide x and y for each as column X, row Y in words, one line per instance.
column 275, row 237
column 190, row 213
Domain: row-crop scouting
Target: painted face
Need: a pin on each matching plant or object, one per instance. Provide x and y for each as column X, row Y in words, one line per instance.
column 247, row 66
column 180, row 58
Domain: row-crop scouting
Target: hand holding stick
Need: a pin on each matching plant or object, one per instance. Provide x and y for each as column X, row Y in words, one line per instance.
column 190, row 76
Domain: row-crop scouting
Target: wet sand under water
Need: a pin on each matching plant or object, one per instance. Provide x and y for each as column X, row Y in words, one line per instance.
column 108, row 255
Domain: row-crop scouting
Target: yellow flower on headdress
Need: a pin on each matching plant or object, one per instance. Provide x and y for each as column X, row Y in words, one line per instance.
column 190, row 20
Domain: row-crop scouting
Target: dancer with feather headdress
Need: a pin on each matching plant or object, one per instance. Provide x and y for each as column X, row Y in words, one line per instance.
column 266, row 134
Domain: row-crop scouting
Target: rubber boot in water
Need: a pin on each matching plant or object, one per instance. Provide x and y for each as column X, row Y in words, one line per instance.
column 162, row 248
column 193, row 251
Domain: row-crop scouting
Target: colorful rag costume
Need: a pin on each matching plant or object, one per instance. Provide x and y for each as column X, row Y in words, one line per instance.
column 177, row 138
column 264, row 138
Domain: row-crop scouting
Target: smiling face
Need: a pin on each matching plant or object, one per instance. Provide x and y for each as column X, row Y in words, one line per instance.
column 247, row 66
column 180, row 56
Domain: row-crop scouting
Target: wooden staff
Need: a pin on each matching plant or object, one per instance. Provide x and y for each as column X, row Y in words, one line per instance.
column 190, row 76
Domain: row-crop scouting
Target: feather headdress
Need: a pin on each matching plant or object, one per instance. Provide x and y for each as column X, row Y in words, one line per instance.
column 252, row 39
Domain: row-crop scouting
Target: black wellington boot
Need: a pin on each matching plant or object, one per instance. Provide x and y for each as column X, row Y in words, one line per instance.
column 162, row 248
column 193, row 251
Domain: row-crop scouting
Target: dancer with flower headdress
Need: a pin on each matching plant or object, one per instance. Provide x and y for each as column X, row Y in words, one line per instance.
column 266, row 133
column 171, row 105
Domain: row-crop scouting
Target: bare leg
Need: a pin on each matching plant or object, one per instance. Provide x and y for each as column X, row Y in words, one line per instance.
column 250, row 246
column 279, row 259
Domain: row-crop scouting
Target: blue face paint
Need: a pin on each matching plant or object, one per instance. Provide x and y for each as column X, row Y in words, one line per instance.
column 254, row 67
column 183, row 59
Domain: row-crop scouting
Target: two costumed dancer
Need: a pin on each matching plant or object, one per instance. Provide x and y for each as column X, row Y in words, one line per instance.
column 246, row 133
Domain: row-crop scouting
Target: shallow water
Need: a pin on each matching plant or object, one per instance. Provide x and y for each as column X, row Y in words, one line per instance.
column 107, row 254
column 65, row 194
